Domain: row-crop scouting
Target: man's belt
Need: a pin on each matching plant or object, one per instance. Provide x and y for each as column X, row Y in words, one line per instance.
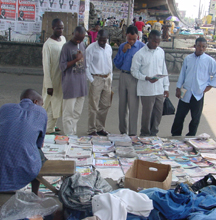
column 125, row 71
column 100, row 75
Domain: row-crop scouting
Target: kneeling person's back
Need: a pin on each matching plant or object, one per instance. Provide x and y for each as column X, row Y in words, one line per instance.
column 22, row 131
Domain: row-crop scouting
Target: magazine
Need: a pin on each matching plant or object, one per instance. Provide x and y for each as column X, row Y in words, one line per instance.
column 195, row 172
column 127, row 161
column 209, row 144
column 78, row 153
column 107, row 163
column 54, row 148
column 179, row 172
column 172, row 163
column 158, row 76
column 187, row 164
column 49, row 139
column 179, row 158
column 84, row 140
column 84, row 170
column 60, row 139
column 103, row 149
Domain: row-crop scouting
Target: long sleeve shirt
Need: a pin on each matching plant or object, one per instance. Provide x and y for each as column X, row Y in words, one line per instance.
column 123, row 60
column 22, row 131
column 148, row 62
column 196, row 75
column 52, row 75
column 98, row 60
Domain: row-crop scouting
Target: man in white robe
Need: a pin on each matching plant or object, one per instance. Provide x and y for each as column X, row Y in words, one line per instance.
column 52, row 88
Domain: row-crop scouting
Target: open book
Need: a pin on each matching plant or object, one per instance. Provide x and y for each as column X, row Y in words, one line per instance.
column 158, row 76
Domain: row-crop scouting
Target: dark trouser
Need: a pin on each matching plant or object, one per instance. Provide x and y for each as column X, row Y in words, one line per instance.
column 152, row 109
column 183, row 108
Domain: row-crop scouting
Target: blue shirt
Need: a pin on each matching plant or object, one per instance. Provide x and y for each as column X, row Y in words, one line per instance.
column 22, row 131
column 123, row 60
column 196, row 74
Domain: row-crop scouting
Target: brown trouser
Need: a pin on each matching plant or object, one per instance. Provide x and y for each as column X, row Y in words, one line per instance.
column 99, row 102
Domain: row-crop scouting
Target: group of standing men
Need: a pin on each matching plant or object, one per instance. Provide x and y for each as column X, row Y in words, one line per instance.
column 66, row 69
column 67, row 66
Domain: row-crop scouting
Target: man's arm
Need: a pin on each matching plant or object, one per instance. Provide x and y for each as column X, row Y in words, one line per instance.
column 181, row 79
column 64, row 64
column 135, row 67
column 42, row 133
column 119, row 58
column 89, row 59
column 46, row 69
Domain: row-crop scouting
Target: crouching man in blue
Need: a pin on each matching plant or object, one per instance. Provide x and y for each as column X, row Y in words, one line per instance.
column 22, row 131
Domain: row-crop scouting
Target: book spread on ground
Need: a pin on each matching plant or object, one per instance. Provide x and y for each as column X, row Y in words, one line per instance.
column 54, row 148
column 60, row 139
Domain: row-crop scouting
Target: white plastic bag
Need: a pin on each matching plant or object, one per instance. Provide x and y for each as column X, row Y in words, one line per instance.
column 26, row 205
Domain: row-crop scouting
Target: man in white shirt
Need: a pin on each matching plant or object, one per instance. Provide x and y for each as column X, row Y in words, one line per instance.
column 99, row 73
column 146, row 63
column 52, row 87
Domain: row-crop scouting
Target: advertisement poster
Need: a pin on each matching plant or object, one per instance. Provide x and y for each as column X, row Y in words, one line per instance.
column 26, row 11
column 8, row 9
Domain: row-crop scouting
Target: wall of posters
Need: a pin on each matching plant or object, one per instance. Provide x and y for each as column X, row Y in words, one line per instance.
column 117, row 9
column 24, row 17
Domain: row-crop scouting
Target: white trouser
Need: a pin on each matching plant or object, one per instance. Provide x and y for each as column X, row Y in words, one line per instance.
column 51, row 122
column 140, row 35
column 72, row 109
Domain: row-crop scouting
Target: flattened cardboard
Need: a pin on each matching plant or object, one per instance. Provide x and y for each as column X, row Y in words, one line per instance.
column 146, row 174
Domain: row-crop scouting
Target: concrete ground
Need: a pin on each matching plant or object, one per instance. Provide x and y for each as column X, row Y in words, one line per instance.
column 11, row 86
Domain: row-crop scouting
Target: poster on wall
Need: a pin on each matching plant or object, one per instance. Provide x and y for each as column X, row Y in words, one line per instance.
column 26, row 11
column 8, row 9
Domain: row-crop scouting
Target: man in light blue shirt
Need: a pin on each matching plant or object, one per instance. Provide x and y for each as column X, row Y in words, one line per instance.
column 128, row 99
column 195, row 78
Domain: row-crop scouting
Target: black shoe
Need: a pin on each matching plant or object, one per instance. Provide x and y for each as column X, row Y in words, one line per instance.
column 102, row 133
column 94, row 133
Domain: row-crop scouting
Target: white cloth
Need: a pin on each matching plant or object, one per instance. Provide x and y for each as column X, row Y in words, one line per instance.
column 140, row 35
column 98, row 60
column 51, row 122
column 148, row 62
column 52, row 75
column 72, row 109
column 116, row 206
column 157, row 26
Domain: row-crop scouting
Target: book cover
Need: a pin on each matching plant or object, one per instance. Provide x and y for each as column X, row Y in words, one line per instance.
column 60, row 139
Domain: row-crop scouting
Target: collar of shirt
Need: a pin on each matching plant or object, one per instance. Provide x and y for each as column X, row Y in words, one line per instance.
column 201, row 56
column 150, row 50
column 101, row 48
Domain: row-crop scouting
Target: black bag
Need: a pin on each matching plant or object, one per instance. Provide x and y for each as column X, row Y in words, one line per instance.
column 168, row 108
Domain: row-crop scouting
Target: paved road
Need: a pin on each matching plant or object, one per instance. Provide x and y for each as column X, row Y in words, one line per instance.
column 11, row 86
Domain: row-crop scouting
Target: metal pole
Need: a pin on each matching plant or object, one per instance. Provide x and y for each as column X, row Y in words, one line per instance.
column 9, row 34
column 214, row 25
column 129, row 13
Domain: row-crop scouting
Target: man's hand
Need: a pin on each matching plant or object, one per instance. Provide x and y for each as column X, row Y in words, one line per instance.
column 79, row 55
column 207, row 88
column 166, row 94
column 151, row 80
column 50, row 91
column 126, row 47
column 178, row 93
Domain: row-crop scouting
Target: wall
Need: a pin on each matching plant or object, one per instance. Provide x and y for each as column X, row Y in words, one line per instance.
column 30, row 55
column 20, row 54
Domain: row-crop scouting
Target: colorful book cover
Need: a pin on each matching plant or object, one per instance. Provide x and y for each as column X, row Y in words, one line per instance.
column 60, row 139
column 107, row 163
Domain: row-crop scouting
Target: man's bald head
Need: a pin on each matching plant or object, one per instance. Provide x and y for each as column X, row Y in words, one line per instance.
column 80, row 30
column 33, row 95
column 103, row 33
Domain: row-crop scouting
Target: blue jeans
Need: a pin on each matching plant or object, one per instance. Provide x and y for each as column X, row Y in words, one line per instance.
column 174, row 205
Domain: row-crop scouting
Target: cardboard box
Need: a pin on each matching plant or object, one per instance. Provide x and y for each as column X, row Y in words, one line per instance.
column 146, row 174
